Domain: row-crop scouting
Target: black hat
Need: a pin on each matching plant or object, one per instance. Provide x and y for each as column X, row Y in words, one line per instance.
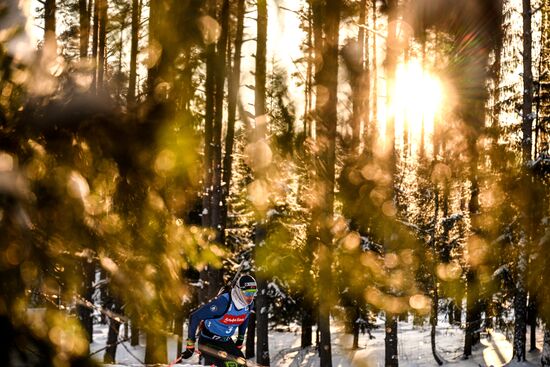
column 247, row 282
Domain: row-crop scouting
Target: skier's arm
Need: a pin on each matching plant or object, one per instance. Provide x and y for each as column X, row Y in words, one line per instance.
column 211, row 310
column 244, row 325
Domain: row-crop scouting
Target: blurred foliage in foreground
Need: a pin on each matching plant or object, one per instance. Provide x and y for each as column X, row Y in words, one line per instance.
column 82, row 182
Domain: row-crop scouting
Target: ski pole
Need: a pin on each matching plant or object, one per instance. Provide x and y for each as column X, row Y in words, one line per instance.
column 175, row 361
column 180, row 358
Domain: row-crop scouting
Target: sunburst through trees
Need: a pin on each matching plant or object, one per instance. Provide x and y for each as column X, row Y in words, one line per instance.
column 362, row 158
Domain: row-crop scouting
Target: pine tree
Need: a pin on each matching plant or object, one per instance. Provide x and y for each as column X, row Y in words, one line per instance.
column 259, row 139
column 543, row 112
column 102, row 44
column 327, row 83
column 83, row 9
column 313, row 46
column 50, row 36
column 210, row 276
column 391, row 323
column 136, row 16
column 232, row 101
column 520, row 297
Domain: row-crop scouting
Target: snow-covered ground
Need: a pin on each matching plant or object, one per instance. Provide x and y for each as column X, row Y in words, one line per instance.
column 413, row 343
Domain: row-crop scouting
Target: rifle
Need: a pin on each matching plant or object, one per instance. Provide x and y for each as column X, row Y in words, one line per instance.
column 233, row 282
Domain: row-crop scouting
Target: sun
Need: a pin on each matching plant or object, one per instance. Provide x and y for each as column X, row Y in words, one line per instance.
column 418, row 96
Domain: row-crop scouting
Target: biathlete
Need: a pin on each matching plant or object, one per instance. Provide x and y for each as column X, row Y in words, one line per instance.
column 220, row 318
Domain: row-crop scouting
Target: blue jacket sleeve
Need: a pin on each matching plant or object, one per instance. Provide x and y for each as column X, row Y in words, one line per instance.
column 211, row 310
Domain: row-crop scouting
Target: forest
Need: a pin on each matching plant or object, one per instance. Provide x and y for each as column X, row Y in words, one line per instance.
column 363, row 159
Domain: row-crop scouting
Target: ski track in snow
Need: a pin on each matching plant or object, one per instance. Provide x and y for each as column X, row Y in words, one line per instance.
column 413, row 346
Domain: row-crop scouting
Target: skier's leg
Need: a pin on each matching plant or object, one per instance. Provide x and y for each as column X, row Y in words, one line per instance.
column 235, row 352
column 221, row 353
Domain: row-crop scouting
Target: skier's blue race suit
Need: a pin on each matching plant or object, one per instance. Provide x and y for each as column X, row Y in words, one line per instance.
column 221, row 319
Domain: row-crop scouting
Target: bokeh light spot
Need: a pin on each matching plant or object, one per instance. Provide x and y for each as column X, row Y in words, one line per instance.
column 6, row 162
column 210, row 29
column 77, row 186
column 420, row 302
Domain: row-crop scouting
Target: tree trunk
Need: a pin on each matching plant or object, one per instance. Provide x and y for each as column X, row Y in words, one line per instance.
column 217, row 224
column 178, row 329
column 232, row 99
column 532, row 315
column 155, row 348
column 390, row 342
column 472, row 322
column 527, row 107
column 155, row 17
column 520, row 306
column 520, row 300
column 251, row 337
column 262, row 336
column 84, row 28
column 545, row 357
column 134, row 332
column 209, row 275
column 372, row 130
column 367, row 132
column 136, row 10
column 474, row 117
column 543, row 102
column 435, row 299
column 326, row 299
column 354, row 57
column 450, row 312
column 95, row 43
column 422, row 148
column 308, row 294
column 308, row 85
column 389, row 154
column 306, row 339
column 164, row 47
column 112, row 335
column 327, row 81
column 391, row 64
column 50, row 38
column 433, row 324
column 358, row 83
column 496, row 159
column 315, row 40
column 457, row 310
column 102, row 44
column 103, row 293
column 355, row 327
column 406, row 128
column 84, row 311
column 112, row 338
column 260, row 73
column 262, row 345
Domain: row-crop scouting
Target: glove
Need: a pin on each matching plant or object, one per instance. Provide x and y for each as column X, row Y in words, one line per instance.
column 190, row 349
column 239, row 342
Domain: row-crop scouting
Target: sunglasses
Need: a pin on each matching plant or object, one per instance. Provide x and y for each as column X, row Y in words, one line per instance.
column 249, row 292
